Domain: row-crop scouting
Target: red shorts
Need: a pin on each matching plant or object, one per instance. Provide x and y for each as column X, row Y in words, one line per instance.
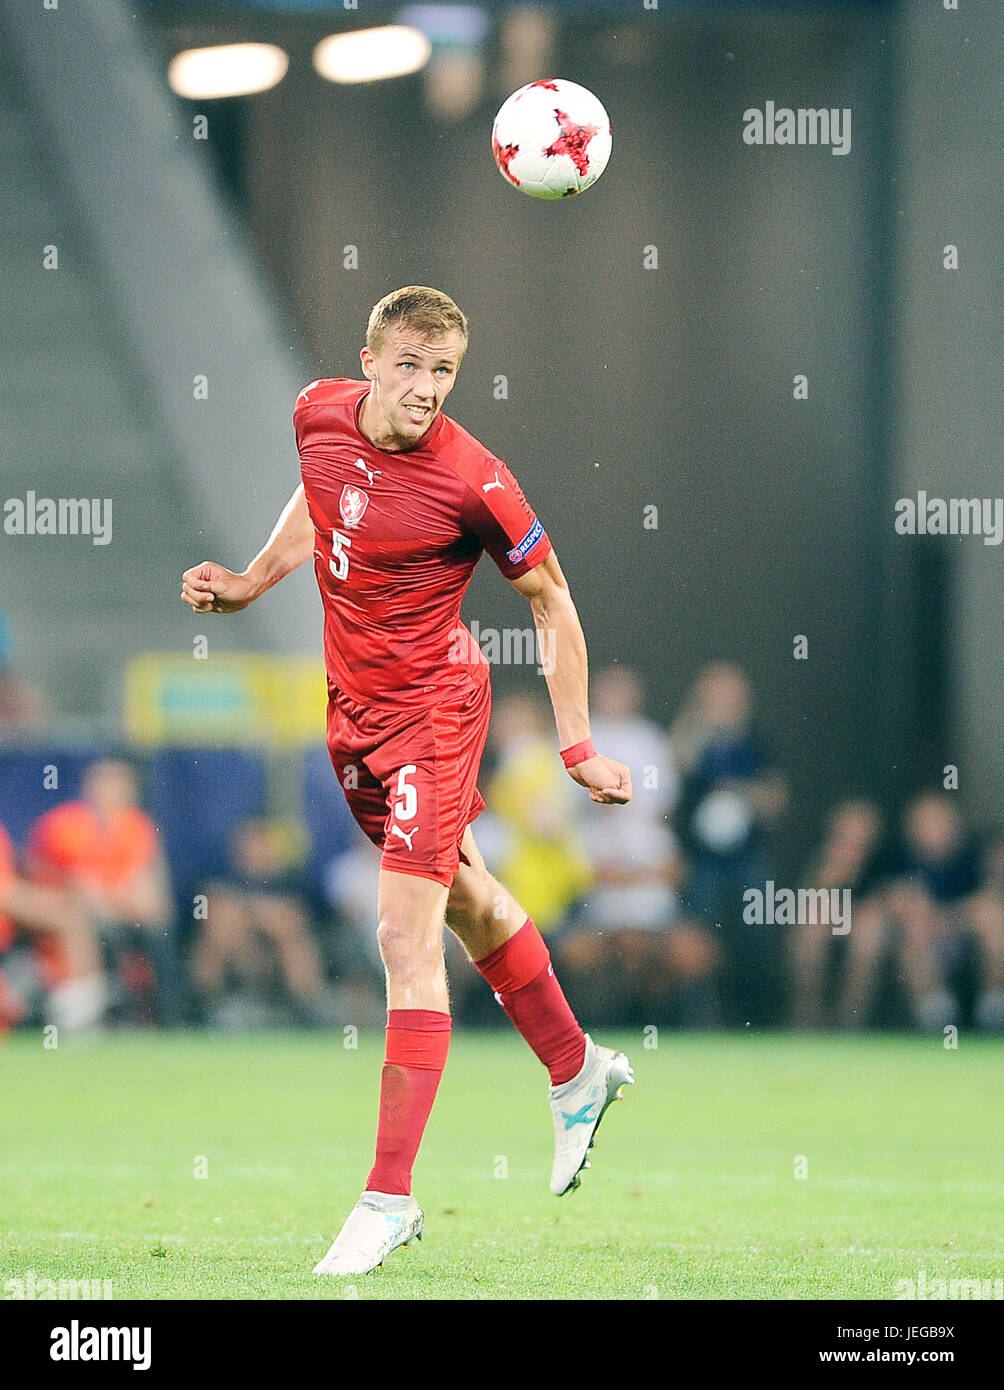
column 410, row 777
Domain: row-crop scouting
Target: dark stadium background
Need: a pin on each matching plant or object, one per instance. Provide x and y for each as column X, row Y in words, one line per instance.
column 626, row 387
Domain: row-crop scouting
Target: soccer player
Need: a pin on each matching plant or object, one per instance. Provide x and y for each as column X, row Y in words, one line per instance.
column 396, row 506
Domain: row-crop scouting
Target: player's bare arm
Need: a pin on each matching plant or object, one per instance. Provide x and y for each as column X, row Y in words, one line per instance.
column 567, row 676
column 210, row 588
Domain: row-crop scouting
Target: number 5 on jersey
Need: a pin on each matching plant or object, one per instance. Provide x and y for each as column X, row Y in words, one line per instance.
column 339, row 562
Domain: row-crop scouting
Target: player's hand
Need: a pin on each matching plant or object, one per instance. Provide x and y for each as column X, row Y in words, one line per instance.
column 209, row 588
column 609, row 783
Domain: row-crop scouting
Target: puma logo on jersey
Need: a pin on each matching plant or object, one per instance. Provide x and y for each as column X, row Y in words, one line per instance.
column 370, row 472
column 404, row 834
column 487, row 487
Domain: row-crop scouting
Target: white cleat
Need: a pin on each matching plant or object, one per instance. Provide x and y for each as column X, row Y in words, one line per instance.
column 579, row 1105
column 376, row 1225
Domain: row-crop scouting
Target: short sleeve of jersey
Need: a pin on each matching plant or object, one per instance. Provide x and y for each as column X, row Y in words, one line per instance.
column 496, row 511
column 324, row 391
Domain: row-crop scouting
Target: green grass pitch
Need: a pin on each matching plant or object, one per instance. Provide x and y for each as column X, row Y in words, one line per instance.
column 693, row 1191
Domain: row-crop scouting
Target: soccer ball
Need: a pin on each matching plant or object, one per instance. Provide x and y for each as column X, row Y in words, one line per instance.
column 551, row 138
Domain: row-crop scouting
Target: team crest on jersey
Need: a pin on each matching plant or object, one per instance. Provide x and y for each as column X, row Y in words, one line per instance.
column 352, row 504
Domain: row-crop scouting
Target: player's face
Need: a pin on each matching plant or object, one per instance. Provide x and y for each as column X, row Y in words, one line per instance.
column 412, row 376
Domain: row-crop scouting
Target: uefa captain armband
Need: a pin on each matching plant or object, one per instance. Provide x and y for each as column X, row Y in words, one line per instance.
column 578, row 753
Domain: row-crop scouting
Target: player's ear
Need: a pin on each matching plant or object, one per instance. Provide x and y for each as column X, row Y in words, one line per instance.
column 367, row 359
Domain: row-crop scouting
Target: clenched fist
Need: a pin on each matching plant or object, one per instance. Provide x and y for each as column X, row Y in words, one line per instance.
column 609, row 783
column 209, row 588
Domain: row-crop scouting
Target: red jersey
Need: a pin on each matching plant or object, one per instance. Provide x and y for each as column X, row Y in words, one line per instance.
column 397, row 536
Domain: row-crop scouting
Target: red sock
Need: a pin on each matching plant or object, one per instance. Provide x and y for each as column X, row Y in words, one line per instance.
column 417, row 1043
column 521, row 974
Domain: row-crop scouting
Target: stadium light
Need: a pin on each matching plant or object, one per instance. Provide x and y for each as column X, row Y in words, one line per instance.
column 227, row 70
column 366, row 55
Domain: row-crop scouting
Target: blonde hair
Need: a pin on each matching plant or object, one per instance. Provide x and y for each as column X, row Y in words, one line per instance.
column 426, row 310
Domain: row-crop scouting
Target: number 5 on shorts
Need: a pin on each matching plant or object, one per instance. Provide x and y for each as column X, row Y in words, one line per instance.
column 407, row 807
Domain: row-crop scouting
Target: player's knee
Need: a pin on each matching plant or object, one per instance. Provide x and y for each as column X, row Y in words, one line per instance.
column 405, row 952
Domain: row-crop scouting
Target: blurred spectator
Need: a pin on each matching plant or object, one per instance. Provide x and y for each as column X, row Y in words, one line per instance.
column 939, row 858
column 21, row 703
column 11, row 1009
column 983, row 914
column 627, row 956
column 342, row 874
column 256, row 917
column 543, row 863
column 912, row 918
column 351, row 891
column 850, row 857
column 527, row 834
column 56, row 930
column 105, row 851
column 731, row 799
